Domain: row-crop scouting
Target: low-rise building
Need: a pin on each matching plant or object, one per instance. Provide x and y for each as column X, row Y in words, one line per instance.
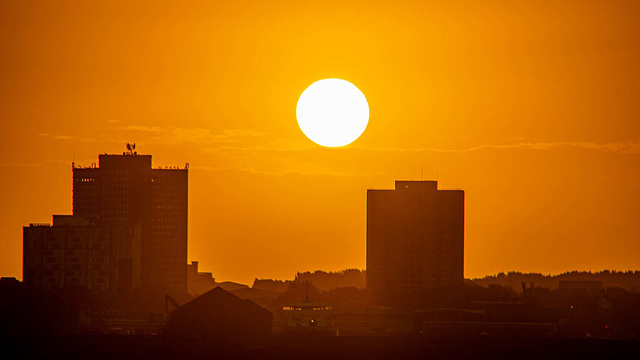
column 81, row 251
column 218, row 313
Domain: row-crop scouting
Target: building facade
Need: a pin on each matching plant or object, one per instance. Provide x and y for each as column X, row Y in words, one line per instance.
column 415, row 243
column 80, row 251
column 124, row 190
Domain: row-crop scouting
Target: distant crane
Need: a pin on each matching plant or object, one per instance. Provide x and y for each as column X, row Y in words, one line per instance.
column 168, row 299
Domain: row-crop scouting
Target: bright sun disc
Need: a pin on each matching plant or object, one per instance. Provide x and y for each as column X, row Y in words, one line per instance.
column 332, row 112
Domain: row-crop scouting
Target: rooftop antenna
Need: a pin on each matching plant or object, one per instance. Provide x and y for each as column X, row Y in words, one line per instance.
column 131, row 149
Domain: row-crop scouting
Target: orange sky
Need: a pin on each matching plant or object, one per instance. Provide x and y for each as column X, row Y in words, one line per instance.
column 531, row 107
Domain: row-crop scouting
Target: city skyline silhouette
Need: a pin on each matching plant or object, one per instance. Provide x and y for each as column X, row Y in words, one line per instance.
column 323, row 180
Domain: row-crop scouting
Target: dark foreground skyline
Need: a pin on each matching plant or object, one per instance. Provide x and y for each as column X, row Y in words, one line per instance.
column 382, row 348
column 85, row 274
column 530, row 107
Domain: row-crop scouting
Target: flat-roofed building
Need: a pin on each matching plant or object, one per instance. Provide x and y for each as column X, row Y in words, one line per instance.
column 124, row 190
column 415, row 243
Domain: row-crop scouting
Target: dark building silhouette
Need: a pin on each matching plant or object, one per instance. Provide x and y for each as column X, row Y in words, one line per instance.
column 218, row 313
column 81, row 251
column 125, row 191
column 415, row 243
column 11, row 289
column 39, row 316
column 199, row 282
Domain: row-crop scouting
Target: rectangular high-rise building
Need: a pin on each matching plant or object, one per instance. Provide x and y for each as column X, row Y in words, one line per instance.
column 124, row 190
column 415, row 243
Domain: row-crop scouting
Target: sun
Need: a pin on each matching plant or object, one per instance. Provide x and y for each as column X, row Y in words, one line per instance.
column 332, row 112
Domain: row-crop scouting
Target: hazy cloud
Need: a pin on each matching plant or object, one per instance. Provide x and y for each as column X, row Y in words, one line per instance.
column 99, row 139
column 179, row 135
column 252, row 170
column 56, row 137
column 38, row 164
column 623, row 148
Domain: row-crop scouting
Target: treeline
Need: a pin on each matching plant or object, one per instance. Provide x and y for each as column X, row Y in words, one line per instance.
column 325, row 281
column 321, row 280
column 629, row 280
